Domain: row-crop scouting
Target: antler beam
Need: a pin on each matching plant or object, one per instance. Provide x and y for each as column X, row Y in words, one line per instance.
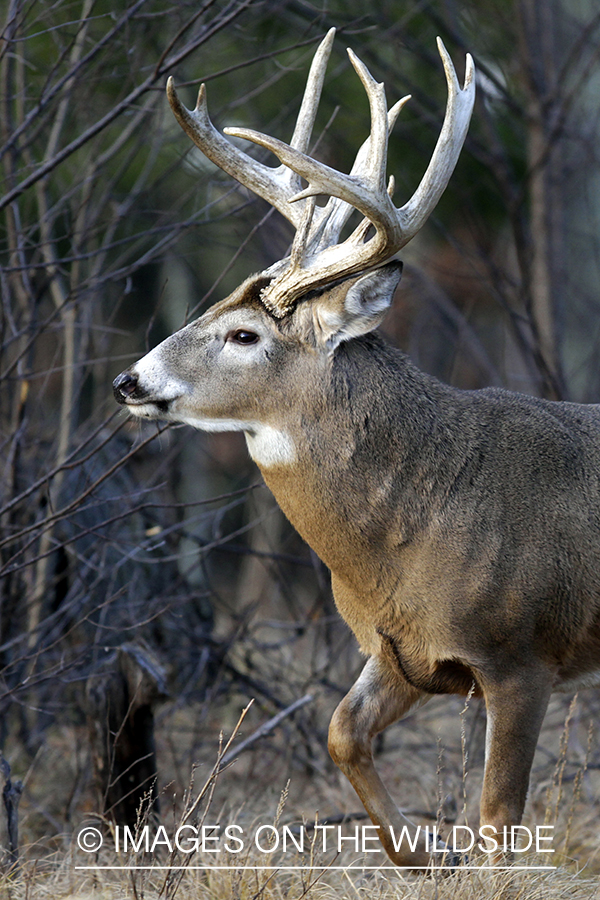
column 275, row 185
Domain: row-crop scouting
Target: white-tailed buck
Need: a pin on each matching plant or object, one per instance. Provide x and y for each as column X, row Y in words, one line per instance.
column 462, row 528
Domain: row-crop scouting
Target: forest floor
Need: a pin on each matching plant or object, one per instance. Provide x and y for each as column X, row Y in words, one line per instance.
column 257, row 817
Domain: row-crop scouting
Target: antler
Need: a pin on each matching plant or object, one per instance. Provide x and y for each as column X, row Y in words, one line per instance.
column 316, row 257
column 276, row 185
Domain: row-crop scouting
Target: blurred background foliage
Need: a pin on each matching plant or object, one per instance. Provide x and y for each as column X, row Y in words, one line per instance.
column 114, row 231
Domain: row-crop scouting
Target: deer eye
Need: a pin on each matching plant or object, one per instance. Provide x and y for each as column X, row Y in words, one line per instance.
column 242, row 336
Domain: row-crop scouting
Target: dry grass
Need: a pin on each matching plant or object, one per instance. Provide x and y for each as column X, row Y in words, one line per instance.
column 424, row 760
column 62, row 880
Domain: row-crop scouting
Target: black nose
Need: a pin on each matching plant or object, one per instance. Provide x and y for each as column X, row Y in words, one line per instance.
column 124, row 386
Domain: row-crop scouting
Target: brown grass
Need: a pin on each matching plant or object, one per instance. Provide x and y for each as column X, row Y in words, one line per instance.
column 430, row 761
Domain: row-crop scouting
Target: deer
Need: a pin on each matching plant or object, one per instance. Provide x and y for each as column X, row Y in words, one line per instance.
column 461, row 528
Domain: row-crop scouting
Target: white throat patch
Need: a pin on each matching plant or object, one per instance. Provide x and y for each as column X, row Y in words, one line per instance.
column 270, row 447
column 267, row 446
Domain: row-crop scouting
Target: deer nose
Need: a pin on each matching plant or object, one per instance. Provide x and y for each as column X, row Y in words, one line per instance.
column 124, row 386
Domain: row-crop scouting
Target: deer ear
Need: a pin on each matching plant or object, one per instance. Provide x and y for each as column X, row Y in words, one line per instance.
column 358, row 305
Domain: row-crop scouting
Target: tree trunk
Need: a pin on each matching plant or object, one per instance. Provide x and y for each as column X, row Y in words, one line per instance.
column 541, row 62
column 9, row 817
column 121, row 719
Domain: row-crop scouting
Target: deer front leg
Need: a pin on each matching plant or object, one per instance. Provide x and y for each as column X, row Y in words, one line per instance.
column 515, row 712
column 378, row 698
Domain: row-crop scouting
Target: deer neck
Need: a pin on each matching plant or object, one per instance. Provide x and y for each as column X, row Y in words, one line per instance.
column 365, row 466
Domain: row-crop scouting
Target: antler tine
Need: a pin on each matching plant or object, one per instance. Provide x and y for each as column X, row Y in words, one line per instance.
column 337, row 212
column 276, row 185
column 447, row 150
column 375, row 163
column 312, row 95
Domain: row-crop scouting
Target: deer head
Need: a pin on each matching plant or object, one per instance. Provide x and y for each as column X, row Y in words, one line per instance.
column 225, row 370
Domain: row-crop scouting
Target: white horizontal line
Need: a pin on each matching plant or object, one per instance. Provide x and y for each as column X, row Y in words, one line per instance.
column 357, row 868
